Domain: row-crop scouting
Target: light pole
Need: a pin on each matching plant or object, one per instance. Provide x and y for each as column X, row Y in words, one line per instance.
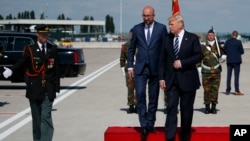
column 46, row 11
column 120, row 16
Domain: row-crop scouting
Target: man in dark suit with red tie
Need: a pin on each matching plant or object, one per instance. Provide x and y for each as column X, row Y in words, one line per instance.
column 147, row 40
column 179, row 77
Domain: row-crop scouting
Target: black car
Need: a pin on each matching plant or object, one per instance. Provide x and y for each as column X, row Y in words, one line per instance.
column 71, row 60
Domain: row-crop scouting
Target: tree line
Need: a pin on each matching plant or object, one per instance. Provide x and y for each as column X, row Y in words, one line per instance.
column 109, row 22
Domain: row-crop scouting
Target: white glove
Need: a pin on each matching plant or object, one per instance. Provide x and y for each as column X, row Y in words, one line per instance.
column 222, row 59
column 7, row 72
column 123, row 70
column 199, row 70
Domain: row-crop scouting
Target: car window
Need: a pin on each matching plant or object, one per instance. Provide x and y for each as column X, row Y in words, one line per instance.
column 3, row 43
column 20, row 43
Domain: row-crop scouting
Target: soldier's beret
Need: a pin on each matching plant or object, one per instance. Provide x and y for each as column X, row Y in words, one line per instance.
column 42, row 28
column 210, row 31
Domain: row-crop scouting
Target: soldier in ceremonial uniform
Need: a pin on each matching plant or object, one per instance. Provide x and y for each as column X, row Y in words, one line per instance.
column 129, row 82
column 42, row 78
column 211, row 72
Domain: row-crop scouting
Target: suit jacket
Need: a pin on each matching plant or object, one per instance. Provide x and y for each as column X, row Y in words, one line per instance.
column 146, row 54
column 234, row 50
column 32, row 61
column 190, row 54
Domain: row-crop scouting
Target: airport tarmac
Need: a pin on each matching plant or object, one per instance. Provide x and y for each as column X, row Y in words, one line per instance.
column 89, row 104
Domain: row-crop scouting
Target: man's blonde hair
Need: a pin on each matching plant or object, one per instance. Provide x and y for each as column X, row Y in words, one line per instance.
column 177, row 18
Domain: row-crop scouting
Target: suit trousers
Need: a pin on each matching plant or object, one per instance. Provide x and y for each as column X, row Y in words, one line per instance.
column 147, row 114
column 42, row 119
column 186, row 99
column 230, row 68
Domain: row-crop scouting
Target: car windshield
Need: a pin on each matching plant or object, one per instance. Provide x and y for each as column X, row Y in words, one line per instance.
column 51, row 42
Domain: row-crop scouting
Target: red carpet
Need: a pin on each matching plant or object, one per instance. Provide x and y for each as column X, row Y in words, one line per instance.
column 198, row 134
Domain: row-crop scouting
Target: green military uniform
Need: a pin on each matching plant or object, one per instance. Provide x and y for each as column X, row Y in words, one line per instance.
column 129, row 82
column 211, row 74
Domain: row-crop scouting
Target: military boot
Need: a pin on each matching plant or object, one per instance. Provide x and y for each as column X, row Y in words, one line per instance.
column 131, row 109
column 207, row 109
column 213, row 109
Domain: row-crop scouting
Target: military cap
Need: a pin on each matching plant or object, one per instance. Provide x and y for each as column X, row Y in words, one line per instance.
column 210, row 31
column 42, row 28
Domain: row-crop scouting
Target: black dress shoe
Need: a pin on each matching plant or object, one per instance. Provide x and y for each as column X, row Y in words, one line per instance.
column 144, row 133
column 151, row 130
column 131, row 110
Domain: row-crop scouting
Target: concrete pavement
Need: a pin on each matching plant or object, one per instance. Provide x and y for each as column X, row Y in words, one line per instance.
column 99, row 101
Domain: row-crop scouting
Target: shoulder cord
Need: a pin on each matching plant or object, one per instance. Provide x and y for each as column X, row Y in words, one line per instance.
column 37, row 71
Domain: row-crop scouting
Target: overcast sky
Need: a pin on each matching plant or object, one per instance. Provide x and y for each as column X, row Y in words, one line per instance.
column 199, row 15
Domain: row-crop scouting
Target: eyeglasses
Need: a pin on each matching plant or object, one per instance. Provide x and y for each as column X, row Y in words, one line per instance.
column 147, row 16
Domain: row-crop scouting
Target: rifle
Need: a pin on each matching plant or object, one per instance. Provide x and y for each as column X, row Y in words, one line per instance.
column 216, row 41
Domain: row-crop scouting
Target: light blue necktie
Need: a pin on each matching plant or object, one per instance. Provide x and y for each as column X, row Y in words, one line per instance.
column 176, row 46
column 148, row 34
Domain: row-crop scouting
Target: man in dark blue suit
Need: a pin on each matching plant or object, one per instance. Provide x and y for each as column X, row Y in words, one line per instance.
column 147, row 40
column 234, row 50
column 179, row 78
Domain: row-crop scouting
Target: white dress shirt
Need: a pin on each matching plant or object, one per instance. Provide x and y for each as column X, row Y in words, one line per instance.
column 180, row 36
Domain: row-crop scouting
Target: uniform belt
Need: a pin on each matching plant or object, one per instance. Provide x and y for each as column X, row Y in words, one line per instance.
column 210, row 68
